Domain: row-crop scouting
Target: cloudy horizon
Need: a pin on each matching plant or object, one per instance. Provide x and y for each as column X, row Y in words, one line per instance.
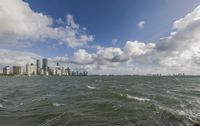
column 27, row 34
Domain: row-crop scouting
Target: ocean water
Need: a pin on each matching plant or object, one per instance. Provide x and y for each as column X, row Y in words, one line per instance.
column 100, row 101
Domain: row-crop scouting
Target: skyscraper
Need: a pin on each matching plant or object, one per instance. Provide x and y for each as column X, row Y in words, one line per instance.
column 68, row 71
column 31, row 69
column 17, row 70
column 44, row 65
column 38, row 66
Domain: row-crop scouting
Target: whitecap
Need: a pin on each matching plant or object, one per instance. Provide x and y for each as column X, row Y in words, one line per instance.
column 137, row 98
column 90, row 87
column 189, row 114
column 197, row 89
column 168, row 92
column 57, row 104
column 1, row 106
column 51, row 120
column 49, row 95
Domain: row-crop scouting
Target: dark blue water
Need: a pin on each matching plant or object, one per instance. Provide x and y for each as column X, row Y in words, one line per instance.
column 99, row 101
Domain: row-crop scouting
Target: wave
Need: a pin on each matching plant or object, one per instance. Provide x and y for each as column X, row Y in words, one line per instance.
column 1, row 106
column 4, row 100
column 137, row 98
column 191, row 116
column 49, row 95
column 57, row 104
column 90, row 87
column 48, row 122
column 195, row 89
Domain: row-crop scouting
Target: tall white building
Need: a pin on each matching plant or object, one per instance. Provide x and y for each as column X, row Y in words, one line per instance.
column 58, row 71
column 31, row 69
column 63, row 72
column 6, row 70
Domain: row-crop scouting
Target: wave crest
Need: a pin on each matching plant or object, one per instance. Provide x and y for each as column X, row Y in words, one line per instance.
column 137, row 98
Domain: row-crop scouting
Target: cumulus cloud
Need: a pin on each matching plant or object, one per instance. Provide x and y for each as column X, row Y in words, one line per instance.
column 136, row 48
column 9, row 57
column 177, row 52
column 110, row 59
column 19, row 23
column 82, row 57
column 141, row 24
column 181, row 49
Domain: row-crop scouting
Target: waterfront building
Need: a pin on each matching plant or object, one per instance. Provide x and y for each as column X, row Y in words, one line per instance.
column 41, row 72
column 38, row 69
column 63, row 71
column 85, row 73
column 52, row 72
column 6, row 70
column 75, row 73
column 58, row 71
column 45, row 65
column 46, row 73
column 38, row 66
column 68, row 71
column 17, row 70
column 31, row 69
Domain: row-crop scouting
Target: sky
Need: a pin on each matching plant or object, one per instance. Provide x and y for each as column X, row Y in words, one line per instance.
column 103, row 36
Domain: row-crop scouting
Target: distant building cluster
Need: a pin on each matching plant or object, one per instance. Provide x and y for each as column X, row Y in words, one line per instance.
column 42, row 69
column 178, row 74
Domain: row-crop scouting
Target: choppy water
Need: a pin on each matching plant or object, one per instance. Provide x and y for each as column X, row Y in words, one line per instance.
column 99, row 101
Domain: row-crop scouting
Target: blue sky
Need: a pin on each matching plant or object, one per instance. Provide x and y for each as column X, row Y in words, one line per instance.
column 103, row 36
column 114, row 19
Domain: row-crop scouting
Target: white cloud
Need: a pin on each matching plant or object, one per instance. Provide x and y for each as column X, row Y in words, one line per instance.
column 9, row 57
column 60, row 21
column 136, row 48
column 82, row 57
column 19, row 23
column 178, row 52
column 188, row 19
column 109, row 59
column 141, row 24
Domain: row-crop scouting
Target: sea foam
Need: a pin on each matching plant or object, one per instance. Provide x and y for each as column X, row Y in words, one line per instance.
column 137, row 98
column 57, row 104
column 90, row 87
column 1, row 106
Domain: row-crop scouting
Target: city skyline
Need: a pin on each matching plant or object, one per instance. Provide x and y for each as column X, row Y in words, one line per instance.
column 35, row 69
column 102, row 37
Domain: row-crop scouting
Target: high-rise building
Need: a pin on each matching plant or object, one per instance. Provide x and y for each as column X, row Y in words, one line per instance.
column 28, row 69
column 63, row 72
column 45, row 65
column 6, row 70
column 38, row 66
column 31, row 69
column 17, row 70
column 58, row 71
column 68, row 71
column 85, row 73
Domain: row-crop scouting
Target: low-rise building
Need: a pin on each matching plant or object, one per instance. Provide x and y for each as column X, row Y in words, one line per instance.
column 17, row 70
column 6, row 70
